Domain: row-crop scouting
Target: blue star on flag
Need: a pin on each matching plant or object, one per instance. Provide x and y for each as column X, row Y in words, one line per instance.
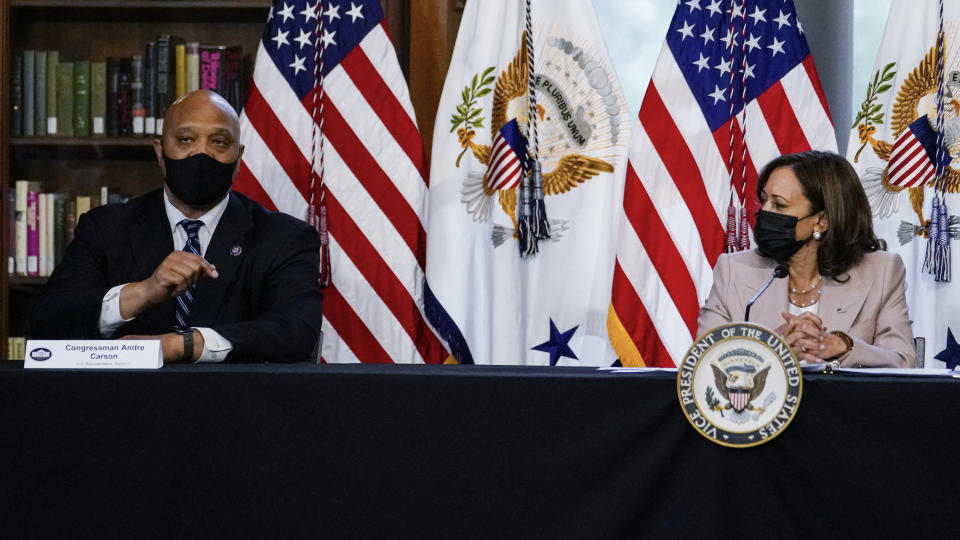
column 557, row 345
column 950, row 355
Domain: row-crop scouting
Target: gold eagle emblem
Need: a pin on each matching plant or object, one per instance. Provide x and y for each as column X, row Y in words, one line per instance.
column 920, row 83
column 477, row 193
column 740, row 384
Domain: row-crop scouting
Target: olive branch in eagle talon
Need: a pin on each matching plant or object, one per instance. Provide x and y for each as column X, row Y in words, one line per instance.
column 870, row 112
column 713, row 402
column 468, row 117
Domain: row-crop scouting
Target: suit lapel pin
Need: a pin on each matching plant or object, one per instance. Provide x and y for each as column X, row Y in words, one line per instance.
column 236, row 250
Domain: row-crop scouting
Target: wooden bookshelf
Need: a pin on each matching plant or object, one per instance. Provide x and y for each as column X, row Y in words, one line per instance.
column 28, row 149
column 27, row 282
column 80, row 142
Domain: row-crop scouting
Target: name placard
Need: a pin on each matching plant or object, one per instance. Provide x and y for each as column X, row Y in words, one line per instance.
column 93, row 354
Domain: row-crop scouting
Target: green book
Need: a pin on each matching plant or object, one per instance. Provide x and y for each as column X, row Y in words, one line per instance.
column 65, row 99
column 29, row 77
column 40, row 95
column 98, row 98
column 81, row 98
column 53, row 60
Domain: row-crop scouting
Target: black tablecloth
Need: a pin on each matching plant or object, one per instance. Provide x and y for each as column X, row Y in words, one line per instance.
column 460, row 451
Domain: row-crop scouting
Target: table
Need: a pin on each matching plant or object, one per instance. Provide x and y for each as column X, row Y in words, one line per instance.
column 460, row 452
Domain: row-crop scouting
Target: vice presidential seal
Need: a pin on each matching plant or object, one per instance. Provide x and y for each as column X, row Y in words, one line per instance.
column 739, row 385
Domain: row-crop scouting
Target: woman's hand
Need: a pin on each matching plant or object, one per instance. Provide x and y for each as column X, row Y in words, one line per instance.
column 808, row 338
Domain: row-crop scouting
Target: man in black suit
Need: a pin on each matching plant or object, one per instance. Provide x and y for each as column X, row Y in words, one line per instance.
column 241, row 283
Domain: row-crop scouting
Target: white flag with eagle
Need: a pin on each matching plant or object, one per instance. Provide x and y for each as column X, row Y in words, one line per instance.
column 491, row 304
column 907, row 129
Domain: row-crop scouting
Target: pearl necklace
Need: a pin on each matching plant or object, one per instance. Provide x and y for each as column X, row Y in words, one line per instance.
column 813, row 286
column 804, row 304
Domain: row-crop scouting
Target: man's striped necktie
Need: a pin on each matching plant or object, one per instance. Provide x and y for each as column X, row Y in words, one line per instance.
column 185, row 300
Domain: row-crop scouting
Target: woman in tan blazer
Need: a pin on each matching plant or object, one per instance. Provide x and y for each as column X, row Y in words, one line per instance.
column 843, row 300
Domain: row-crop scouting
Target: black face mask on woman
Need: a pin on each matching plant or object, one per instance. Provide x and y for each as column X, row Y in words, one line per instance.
column 198, row 180
column 776, row 235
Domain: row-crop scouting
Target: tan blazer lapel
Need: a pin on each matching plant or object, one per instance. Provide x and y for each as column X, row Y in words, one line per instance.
column 840, row 303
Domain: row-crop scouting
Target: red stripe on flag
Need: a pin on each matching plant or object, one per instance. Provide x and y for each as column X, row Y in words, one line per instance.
column 506, row 176
column 386, row 105
column 384, row 282
column 278, row 140
column 499, row 165
column 904, row 153
column 908, row 177
column 782, row 120
column 351, row 329
column 247, row 184
column 638, row 324
column 920, row 179
column 661, row 249
column 900, row 161
column 815, row 81
column 500, row 152
column 682, row 166
column 378, row 185
column 920, row 172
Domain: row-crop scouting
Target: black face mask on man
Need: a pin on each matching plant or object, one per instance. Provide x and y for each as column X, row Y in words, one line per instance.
column 198, row 180
column 776, row 235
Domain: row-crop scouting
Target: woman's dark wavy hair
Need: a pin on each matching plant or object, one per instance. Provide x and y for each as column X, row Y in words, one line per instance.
column 830, row 184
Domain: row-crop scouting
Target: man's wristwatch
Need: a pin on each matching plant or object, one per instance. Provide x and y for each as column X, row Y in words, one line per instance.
column 187, row 333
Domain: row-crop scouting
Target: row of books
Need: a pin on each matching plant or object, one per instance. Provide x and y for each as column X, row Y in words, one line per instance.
column 16, row 347
column 55, row 96
column 42, row 225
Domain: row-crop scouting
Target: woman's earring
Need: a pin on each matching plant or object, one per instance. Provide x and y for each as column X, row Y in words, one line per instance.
column 817, row 235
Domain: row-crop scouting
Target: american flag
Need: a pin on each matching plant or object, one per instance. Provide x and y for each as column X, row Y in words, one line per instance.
column 374, row 179
column 694, row 157
column 914, row 155
column 509, row 148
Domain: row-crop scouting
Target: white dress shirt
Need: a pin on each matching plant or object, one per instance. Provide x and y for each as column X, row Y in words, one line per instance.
column 812, row 308
column 215, row 346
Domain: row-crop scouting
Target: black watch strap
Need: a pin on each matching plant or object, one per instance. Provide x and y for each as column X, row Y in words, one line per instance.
column 187, row 333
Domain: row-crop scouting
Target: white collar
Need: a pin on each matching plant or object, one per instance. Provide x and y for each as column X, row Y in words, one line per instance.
column 210, row 219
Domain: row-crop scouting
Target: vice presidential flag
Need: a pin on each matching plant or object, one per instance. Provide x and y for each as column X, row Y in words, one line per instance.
column 329, row 122
column 909, row 99
column 489, row 303
column 733, row 88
